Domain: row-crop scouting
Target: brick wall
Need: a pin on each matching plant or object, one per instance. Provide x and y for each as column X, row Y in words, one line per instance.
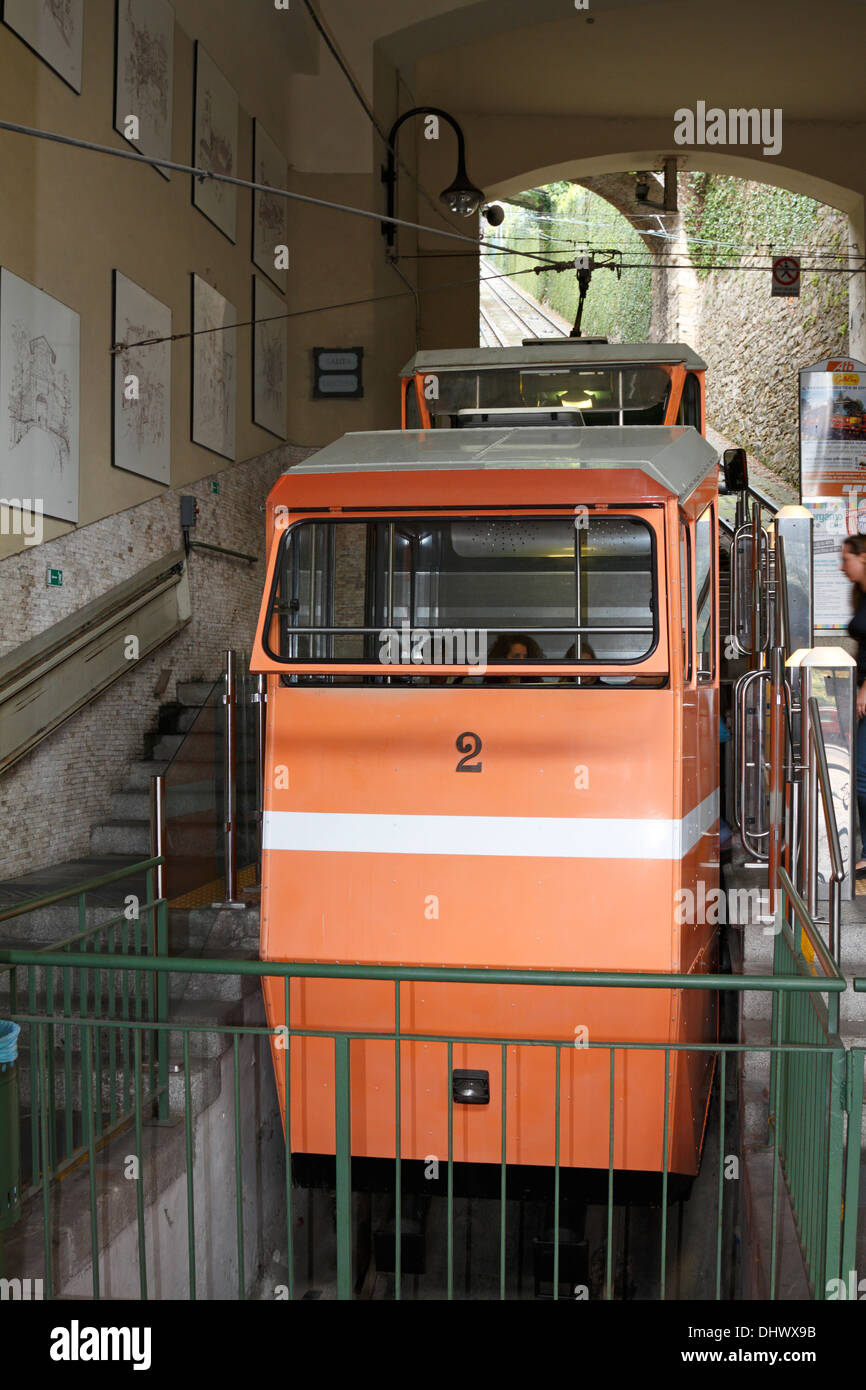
column 50, row 799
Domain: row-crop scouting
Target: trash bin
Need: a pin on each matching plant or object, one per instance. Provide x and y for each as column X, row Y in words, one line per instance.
column 10, row 1143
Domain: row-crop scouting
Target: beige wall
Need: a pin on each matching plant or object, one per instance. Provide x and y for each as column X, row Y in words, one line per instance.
column 540, row 95
column 69, row 217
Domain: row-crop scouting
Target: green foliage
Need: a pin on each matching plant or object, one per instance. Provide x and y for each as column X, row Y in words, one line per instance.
column 726, row 217
column 617, row 309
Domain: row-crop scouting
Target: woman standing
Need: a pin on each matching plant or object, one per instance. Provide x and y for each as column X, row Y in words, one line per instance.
column 854, row 568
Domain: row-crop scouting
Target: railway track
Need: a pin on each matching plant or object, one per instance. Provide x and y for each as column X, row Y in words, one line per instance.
column 508, row 314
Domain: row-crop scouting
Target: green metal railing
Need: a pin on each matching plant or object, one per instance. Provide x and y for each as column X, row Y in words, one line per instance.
column 853, row 1240
column 74, row 986
column 783, row 1050
column 807, row 1110
column 807, row 1107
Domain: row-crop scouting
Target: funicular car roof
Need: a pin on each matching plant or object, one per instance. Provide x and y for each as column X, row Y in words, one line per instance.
column 570, row 351
column 675, row 456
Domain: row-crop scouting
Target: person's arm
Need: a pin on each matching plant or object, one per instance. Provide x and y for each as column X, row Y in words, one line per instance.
column 861, row 701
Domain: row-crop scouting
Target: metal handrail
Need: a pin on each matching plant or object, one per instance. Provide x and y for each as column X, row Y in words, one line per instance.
column 740, row 690
column 281, row 969
column 782, row 609
column 761, row 551
column 816, row 742
column 63, row 669
column 221, row 550
column 801, row 912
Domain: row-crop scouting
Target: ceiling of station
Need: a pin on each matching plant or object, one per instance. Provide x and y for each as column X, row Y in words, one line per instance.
column 636, row 57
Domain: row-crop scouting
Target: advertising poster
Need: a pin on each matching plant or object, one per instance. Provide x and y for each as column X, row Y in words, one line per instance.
column 833, row 475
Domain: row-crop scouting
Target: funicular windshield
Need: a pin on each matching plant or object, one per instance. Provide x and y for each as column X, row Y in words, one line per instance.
column 416, row 591
column 636, row 395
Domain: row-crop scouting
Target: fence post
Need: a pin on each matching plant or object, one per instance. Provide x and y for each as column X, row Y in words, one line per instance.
column 159, row 937
column 260, row 699
column 855, row 1059
column 162, row 1034
column 835, row 1209
column 231, row 788
column 342, row 1103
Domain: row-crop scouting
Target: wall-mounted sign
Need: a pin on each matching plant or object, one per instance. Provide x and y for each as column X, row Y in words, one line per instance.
column 833, row 475
column 53, row 578
column 786, row 275
column 337, row 372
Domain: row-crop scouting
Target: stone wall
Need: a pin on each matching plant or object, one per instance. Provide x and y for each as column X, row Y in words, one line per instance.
column 753, row 344
column 50, row 799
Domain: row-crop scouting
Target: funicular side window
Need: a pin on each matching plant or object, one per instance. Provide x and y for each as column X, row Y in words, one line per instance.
column 686, row 598
column 413, row 414
column 413, row 591
column 705, row 537
column 690, row 405
column 577, row 395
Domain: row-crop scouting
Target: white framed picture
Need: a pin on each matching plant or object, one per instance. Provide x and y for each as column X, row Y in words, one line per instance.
column 215, row 143
column 214, row 369
column 270, row 214
column 144, row 76
column 270, row 359
column 141, row 436
column 39, row 397
column 54, row 29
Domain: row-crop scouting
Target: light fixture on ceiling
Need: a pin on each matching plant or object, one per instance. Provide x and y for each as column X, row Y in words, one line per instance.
column 460, row 197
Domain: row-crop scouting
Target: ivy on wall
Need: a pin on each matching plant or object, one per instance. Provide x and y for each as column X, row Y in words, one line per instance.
column 563, row 219
column 726, row 217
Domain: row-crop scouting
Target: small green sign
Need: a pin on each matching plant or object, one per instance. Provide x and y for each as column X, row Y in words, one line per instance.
column 53, row 578
column 215, row 485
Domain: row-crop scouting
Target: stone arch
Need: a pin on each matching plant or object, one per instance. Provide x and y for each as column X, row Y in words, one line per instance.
column 676, row 294
column 603, row 172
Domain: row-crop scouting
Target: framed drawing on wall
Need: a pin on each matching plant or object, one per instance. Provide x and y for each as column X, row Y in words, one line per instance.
column 215, row 143
column 39, row 397
column 270, row 359
column 270, row 214
column 144, row 76
column 54, row 29
column 214, row 375
column 141, row 405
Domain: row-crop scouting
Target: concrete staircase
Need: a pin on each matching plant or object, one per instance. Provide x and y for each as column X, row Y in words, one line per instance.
column 126, row 831
column 119, row 842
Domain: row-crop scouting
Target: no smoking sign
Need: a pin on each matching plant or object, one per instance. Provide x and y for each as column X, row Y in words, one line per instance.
column 786, row 275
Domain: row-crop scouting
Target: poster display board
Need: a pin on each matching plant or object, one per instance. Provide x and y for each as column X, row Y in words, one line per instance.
column 833, row 475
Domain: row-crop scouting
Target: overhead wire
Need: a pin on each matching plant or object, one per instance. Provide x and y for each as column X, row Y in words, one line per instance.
column 53, row 136
column 117, row 348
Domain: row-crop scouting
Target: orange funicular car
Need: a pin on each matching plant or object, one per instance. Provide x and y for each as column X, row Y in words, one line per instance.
column 561, row 381
column 492, row 741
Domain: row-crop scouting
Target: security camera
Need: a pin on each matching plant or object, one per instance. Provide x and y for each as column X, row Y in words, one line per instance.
column 494, row 214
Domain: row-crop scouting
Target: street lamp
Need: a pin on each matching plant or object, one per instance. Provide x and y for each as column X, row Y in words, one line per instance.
column 461, row 196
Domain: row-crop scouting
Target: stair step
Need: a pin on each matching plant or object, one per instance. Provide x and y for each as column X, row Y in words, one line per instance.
column 203, row 1074
column 121, row 837
column 46, row 925
column 142, row 773
column 193, row 692
column 197, row 836
column 186, row 799
column 199, row 746
column 201, row 985
column 221, row 1014
column 755, row 1104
